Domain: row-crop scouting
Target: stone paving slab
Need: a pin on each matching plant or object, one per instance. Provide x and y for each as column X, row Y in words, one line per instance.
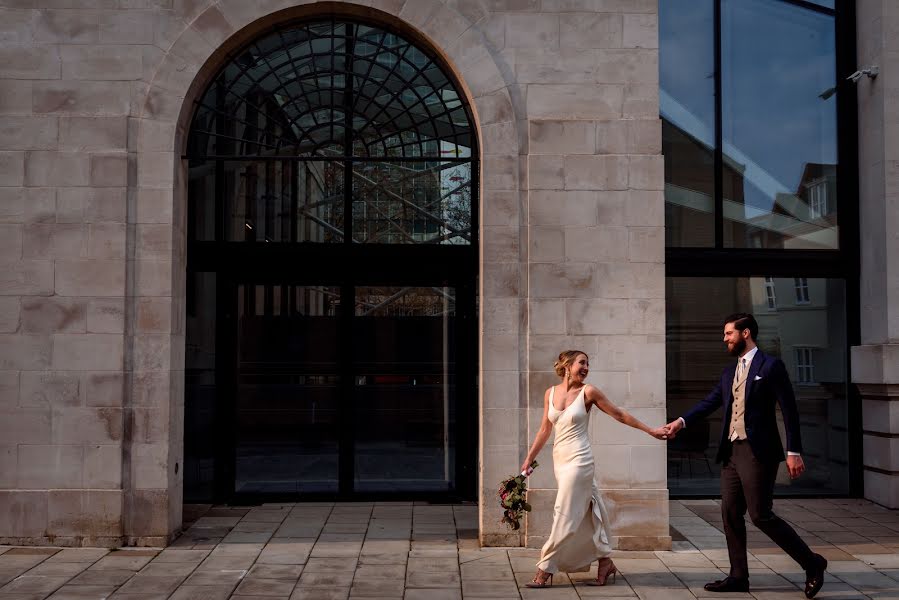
column 416, row 551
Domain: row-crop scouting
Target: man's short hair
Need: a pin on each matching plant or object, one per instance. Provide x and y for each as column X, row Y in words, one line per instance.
column 743, row 321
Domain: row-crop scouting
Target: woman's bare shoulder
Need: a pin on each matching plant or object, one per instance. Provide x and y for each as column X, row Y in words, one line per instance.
column 592, row 391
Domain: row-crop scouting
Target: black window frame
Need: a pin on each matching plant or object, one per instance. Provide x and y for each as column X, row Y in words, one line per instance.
column 347, row 265
column 842, row 263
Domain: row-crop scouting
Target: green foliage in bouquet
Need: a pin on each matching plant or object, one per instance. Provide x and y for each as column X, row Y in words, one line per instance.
column 512, row 494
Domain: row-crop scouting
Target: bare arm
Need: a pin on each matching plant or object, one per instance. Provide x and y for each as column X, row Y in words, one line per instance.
column 597, row 398
column 546, row 428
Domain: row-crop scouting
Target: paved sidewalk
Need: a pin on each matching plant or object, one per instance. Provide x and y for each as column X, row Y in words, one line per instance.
column 419, row 551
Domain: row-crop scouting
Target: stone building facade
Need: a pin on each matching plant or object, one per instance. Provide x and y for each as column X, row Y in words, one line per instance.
column 96, row 98
column 875, row 362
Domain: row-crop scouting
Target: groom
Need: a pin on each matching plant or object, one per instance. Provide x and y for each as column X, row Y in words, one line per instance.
column 751, row 452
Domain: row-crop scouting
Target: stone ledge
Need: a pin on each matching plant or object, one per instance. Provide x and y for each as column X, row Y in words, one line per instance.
column 882, row 488
column 155, row 541
column 886, row 392
column 65, row 541
column 498, row 540
column 875, row 364
column 880, row 409
column 90, row 541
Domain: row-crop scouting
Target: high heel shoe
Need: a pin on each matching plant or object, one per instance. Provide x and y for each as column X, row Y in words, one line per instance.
column 547, row 580
column 602, row 575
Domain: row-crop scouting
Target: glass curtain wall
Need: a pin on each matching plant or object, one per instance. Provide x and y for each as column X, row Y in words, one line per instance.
column 751, row 110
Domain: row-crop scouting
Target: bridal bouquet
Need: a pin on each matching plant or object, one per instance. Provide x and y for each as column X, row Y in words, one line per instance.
column 513, row 497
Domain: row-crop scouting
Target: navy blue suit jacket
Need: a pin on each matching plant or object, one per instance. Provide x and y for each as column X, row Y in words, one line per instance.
column 767, row 384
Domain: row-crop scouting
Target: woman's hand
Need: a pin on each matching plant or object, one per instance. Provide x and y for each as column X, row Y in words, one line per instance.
column 660, row 433
column 525, row 465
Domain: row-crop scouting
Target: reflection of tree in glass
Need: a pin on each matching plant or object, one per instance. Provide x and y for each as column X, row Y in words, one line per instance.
column 405, row 302
column 412, row 202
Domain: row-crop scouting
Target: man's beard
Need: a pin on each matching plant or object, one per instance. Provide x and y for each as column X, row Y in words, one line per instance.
column 738, row 347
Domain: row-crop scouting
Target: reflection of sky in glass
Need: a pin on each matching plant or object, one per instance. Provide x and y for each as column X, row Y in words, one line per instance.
column 687, row 66
column 776, row 60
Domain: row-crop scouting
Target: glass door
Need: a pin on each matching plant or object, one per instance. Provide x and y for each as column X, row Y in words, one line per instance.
column 404, row 389
column 287, row 395
column 351, row 391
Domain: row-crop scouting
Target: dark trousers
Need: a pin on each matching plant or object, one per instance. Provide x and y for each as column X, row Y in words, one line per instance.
column 747, row 483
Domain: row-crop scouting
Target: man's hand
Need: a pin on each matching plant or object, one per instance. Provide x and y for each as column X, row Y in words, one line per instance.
column 660, row 433
column 795, row 465
column 673, row 427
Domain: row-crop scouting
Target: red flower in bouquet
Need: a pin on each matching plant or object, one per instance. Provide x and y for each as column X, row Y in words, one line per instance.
column 512, row 494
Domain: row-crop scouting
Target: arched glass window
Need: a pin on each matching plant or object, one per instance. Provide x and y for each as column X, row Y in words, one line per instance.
column 319, row 120
column 340, row 359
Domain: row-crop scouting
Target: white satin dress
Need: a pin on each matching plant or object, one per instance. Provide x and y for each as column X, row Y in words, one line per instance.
column 580, row 522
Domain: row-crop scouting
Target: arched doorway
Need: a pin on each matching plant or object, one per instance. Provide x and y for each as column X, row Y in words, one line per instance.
column 332, row 267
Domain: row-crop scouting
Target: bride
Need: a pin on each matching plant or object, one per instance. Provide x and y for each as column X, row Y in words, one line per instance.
column 580, row 531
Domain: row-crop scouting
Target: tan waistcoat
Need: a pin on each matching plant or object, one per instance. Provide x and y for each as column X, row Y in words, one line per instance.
column 738, row 408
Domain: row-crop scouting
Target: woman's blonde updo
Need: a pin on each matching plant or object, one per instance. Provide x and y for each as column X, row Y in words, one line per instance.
column 566, row 359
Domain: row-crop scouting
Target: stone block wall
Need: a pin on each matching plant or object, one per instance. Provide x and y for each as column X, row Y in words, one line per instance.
column 95, row 98
column 80, row 431
column 875, row 363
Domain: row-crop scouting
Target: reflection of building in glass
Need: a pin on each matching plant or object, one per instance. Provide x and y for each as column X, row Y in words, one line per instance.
column 689, row 188
column 695, row 357
column 803, row 218
column 801, row 321
column 806, row 218
column 808, row 332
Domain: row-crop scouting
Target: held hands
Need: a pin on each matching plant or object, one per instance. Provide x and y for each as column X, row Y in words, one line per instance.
column 673, row 427
column 667, row 432
column 660, row 433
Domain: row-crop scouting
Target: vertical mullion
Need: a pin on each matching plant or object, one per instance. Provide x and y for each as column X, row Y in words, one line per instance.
column 347, row 447
column 224, row 483
column 474, row 204
column 849, row 221
column 219, row 192
column 294, row 197
column 348, row 136
column 226, row 379
column 345, row 413
column 719, row 135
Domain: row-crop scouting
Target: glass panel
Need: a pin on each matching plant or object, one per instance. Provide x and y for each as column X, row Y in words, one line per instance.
column 287, row 94
column 811, row 340
column 199, row 389
column 780, row 127
column 404, row 105
column 201, row 197
column 283, row 201
column 687, row 106
column 412, row 202
column 287, row 389
column 405, row 388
